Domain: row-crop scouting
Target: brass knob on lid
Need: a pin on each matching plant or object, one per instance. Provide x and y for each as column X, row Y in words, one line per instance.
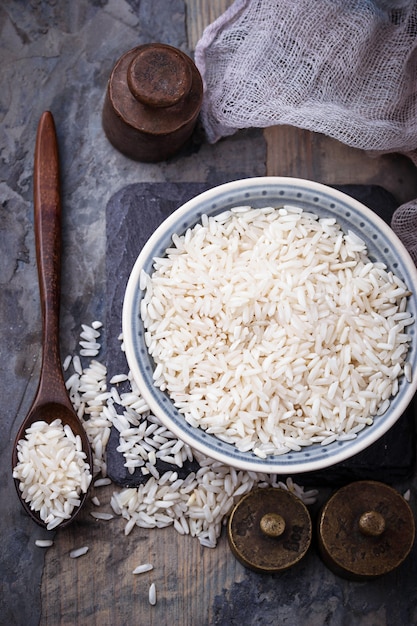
column 371, row 523
column 365, row 530
column 272, row 524
column 269, row 530
column 153, row 99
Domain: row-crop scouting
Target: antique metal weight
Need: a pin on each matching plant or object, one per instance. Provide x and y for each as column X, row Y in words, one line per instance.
column 365, row 530
column 152, row 102
column 269, row 530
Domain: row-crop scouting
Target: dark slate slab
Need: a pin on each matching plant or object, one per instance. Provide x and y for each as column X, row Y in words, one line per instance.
column 118, row 473
column 133, row 214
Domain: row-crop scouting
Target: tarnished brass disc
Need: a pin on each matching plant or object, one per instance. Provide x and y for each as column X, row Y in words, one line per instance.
column 366, row 529
column 269, row 530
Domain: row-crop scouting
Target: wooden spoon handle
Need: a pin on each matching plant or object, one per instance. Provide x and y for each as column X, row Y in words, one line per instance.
column 47, row 211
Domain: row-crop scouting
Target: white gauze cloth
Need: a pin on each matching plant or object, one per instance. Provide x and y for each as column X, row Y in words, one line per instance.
column 344, row 68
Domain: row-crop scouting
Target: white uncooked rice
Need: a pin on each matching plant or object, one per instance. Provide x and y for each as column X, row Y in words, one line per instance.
column 44, row 543
column 88, row 336
column 272, row 329
column 141, row 569
column 77, row 364
column 197, row 505
column 52, row 471
column 102, row 516
column 102, row 482
column 152, row 594
column 75, row 554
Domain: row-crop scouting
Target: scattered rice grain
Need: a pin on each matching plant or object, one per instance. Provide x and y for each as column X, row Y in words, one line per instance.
column 145, row 567
column 44, row 543
column 152, row 594
column 102, row 482
column 74, row 554
column 76, row 362
column 101, row 516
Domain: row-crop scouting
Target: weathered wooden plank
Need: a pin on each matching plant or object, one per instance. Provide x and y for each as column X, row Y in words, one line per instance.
column 201, row 13
column 297, row 152
column 100, row 589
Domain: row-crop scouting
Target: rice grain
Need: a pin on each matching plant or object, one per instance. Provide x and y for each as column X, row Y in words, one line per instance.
column 44, row 543
column 145, row 567
column 152, row 594
column 75, row 554
column 101, row 516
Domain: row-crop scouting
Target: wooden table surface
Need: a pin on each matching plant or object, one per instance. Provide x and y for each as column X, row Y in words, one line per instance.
column 59, row 57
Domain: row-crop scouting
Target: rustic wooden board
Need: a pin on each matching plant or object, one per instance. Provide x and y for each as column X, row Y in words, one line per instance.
column 199, row 14
column 100, row 589
column 301, row 153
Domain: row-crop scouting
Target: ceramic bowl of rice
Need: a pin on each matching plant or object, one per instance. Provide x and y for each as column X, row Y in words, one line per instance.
column 269, row 324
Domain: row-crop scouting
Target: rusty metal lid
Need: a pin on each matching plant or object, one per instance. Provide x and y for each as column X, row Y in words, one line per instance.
column 269, row 530
column 155, row 88
column 159, row 76
column 366, row 529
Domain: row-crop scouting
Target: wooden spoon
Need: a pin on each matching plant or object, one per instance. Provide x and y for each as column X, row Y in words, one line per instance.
column 51, row 401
